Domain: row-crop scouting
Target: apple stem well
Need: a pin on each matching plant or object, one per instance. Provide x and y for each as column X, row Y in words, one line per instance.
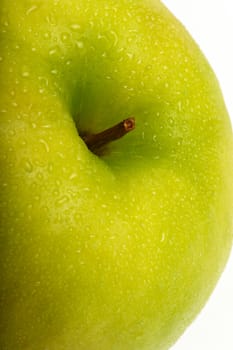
column 97, row 142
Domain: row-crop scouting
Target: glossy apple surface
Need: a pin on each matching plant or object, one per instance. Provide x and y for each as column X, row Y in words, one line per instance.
column 120, row 251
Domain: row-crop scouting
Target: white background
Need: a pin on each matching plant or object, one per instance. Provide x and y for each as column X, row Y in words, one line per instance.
column 210, row 22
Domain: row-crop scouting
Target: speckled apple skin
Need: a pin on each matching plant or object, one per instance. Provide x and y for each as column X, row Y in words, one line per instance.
column 118, row 252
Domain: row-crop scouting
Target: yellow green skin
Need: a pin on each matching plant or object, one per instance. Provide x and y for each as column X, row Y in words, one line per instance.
column 118, row 252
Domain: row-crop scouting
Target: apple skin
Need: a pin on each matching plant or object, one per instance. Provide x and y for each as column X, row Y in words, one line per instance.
column 118, row 252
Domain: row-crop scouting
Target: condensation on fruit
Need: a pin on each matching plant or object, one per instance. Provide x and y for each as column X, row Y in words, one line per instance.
column 31, row 9
column 75, row 26
column 80, row 44
column 65, row 37
column 45, row 144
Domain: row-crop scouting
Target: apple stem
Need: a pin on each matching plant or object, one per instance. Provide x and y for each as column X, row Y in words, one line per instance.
column 96, row 142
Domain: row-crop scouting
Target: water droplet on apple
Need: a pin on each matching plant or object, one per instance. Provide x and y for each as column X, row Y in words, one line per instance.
column 154, row 138
column 1, row 58
column 75, row 26
column 45, row 144
column 180, row 106
column 54, row 71
column 47, row 35
column 6, row 23
column 115, row 36
column 61, row 155
column 163, row 237
column 53, row 51
column 23, row 143
column 130, row 55
column 29, row 207
column 55, row 192
column 12, row 132
column 50, row 167
column 51, row 20
column 28, row 166
column 31, row 9
column 46, row 126
column 25, row 74
column 43, row 81
column 73, row 176
column 58, row 183
column 63, row 200
column 65, row 37
column 14, row 104
column 80, row 44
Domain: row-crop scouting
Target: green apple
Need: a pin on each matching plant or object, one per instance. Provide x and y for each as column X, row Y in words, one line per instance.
column 114, row 245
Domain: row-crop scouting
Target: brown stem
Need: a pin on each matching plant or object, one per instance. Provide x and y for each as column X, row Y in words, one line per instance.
column 96, row 142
